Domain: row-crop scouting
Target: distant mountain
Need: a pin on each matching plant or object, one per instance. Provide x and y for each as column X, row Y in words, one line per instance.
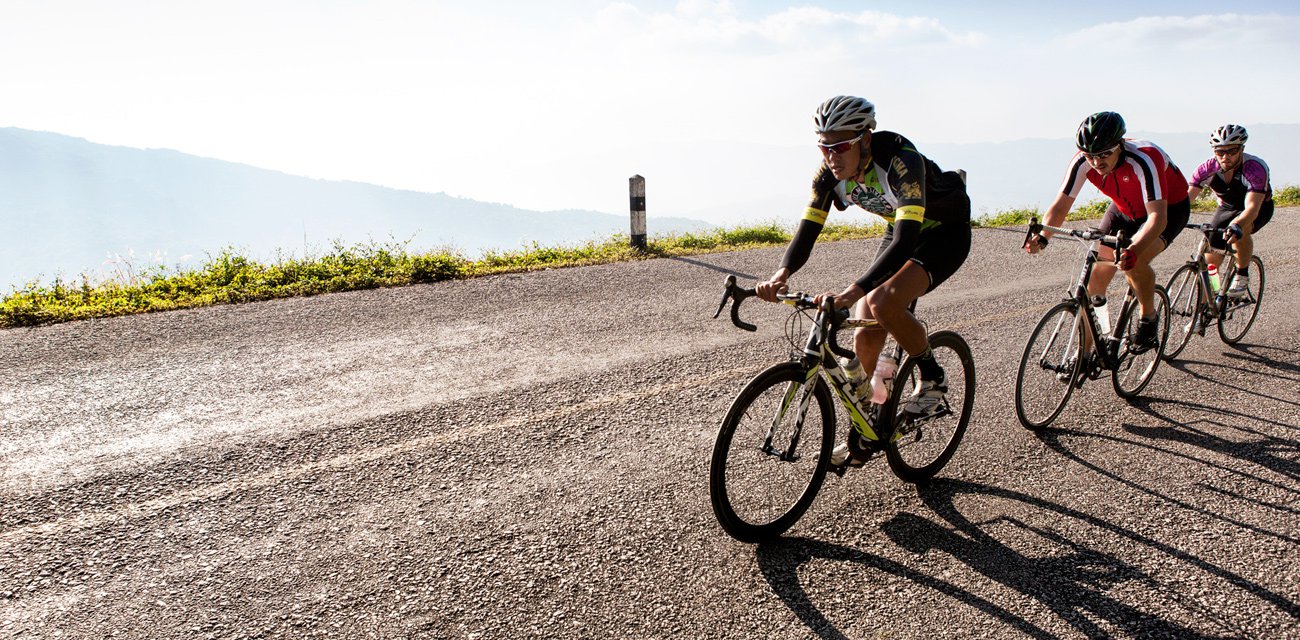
column 66, row 204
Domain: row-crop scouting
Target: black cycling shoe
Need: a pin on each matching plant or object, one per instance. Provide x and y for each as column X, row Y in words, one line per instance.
column 1145, row 338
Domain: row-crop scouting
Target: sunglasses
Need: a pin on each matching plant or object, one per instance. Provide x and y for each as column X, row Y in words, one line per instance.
column 1103, row 155
column 838, row 147
column 1224, row 152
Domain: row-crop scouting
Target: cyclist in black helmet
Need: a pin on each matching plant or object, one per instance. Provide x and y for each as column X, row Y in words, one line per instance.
column 927, row 238
column 1148, row 202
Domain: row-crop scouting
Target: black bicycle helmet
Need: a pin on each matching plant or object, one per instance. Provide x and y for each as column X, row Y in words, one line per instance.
column 1099, row 132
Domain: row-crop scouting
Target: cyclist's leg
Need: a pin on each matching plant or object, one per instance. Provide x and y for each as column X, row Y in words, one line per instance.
column 1142, row 277
column 1104, row 270
column 889, row 302
column 1246, row 244
column 867, row 343
column 1222, row 217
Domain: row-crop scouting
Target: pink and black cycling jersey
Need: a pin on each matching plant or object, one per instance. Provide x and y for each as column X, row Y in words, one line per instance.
column 1251, row 176
column 1144, row 174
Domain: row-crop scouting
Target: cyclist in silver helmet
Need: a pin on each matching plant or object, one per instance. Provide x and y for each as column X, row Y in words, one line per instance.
column 1241, row 182
column 927, row 238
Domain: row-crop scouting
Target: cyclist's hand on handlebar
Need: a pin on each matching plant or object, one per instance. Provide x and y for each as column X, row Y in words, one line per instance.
column 845, row 298
column 1233, row 233
column 768, row 290
column 1127, row 259
column 1035, row 244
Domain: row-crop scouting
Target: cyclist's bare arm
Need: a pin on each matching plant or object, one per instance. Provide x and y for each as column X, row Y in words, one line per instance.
column 1246, row 219
column 1157, row 218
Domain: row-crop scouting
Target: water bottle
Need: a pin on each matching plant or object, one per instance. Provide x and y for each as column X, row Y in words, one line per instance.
column 883, row 379
column 1103, row 314
column 853, row 369
column 1213, row 270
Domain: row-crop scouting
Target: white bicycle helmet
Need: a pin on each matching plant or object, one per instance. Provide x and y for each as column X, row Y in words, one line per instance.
column 1228, row 134
column 845, row 113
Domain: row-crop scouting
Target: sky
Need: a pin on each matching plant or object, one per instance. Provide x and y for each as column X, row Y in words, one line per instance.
column 554, row 105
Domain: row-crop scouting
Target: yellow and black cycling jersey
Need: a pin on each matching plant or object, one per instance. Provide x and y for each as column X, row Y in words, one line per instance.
column 898, row 184
column 911, row 193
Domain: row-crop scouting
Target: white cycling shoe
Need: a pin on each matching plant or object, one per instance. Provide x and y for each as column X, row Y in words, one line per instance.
column 927, row 399
column 1238, row 290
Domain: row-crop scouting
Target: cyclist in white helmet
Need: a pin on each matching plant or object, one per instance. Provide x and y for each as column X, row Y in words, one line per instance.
column 1241, row 182
column 927, row 238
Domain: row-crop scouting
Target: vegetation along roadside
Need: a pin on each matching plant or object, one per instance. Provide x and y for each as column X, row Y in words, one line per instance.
column 229, row 277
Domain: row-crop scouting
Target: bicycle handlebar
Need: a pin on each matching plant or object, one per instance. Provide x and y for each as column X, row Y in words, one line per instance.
column 799, row 300
column 1119, row 242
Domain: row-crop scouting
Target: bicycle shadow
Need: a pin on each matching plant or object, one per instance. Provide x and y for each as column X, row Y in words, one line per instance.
column 1074, row 585
column 1279, row 455
column 1186, row 366
column 1052, row 440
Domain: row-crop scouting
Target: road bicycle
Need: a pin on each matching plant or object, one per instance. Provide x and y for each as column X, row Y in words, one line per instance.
column 1061, row 353
column 764, row 474
column 1197, row 301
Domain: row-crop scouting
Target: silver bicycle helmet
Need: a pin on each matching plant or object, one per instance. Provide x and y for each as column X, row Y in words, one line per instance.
column 845, row 113
column 1228, row 134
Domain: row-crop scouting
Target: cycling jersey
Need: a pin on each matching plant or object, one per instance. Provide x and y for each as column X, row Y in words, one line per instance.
column 1251, row 176
column 1144, row 174
column 900, row 185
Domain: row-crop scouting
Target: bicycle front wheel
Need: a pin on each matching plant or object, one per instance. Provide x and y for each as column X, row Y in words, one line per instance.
column 772, row 452
column 1237, row 316
column 1050, row 367
column 920, row 446
column 1186, row 304
column 1135, row 367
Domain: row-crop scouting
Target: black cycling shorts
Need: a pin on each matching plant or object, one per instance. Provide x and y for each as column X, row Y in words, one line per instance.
column 1176, row 216
column 1223, row 217
column 940, row 250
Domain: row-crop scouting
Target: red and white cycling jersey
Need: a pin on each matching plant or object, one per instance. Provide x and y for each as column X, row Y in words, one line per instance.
column 1144, row 174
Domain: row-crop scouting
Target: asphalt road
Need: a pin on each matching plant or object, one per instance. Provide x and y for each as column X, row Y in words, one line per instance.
column 527, row 456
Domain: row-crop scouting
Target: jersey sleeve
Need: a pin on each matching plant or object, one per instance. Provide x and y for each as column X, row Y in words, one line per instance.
column 823, row 196
column 906, row 176
column 1075, row 175
column 1255, row 174
column 1201, row 177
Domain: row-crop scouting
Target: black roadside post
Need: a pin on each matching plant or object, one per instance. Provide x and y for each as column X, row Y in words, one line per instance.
column 636, row 187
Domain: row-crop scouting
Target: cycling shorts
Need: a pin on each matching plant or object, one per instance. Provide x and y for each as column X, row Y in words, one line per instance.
column 940, row 250
column 1176, row 216
column 1223, row 217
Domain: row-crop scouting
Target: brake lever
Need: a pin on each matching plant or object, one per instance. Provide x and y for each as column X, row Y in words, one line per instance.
column 1034, row 229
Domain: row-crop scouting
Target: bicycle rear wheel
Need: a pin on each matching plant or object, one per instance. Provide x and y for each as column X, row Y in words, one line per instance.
column 1186, row 305
column 772, row 452
column 921, row 446
column 1049, row 367
column 1135, row 368
column 1237, row 316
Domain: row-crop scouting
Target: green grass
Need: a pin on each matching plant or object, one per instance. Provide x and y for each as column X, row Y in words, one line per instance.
column 230, row 277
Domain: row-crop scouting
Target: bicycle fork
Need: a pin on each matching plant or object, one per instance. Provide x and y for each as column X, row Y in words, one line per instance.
column 788, row 454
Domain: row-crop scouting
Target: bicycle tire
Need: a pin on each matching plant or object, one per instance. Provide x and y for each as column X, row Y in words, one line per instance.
column 1055, row 362
column 1186, row 308
column 917, row 449
column 746, row 483
column 1134, row 371
column 1237, row 317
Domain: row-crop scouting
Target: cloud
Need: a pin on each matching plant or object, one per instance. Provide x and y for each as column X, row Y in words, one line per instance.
column 717, row 26
column 1182, row 32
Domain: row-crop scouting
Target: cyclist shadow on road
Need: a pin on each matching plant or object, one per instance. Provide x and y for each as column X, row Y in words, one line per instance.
column 1263, row 454
column 1073, row 584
